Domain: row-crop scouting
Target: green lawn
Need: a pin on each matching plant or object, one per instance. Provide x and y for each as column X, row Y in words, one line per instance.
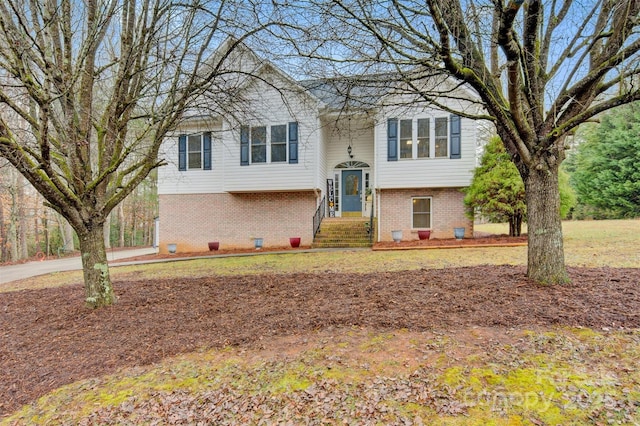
column 614, row 243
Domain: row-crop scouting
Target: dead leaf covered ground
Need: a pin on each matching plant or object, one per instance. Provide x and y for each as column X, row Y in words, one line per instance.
column 48, row 339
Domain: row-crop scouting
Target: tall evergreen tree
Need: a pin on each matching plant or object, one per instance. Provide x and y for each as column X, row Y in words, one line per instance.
column 497, row 190
column 607, row 164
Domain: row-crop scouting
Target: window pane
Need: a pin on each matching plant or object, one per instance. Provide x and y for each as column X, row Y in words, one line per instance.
column 259, row 154
column 194, row 148
column 406, row 138
column 279, row 134
column 195, row 160
column 423, row 137
column 258, row 135
column 422, row 205
column 278, row 152
column 422, row 220
column 351, row 185
column 442, row 138
column 259, row 144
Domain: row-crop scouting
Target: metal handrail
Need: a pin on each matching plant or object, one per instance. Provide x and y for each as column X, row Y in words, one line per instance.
column 318, row 216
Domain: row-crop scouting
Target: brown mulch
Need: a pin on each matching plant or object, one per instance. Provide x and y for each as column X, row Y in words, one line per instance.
column 478, row 241
column 48, row 339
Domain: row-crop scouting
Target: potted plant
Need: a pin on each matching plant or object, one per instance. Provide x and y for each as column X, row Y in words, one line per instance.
column 396, row 235
column 458, row 233
column 294, row 241
column 215, row 245
column 172, row 247
column 424, row 234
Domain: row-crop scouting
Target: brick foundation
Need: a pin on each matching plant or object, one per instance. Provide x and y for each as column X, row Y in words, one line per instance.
column 193, row 220
column 447, row 212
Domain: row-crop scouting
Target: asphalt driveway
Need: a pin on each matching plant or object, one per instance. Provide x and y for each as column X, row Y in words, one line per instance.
column 30, row 269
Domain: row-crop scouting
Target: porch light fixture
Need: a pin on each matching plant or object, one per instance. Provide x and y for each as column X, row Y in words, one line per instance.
column 349, row 149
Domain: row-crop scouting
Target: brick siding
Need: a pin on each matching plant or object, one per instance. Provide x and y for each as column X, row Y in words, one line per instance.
column 447, row 212
column 234, row 219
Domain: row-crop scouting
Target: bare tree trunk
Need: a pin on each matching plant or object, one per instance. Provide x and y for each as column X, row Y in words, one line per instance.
column 69, row 244
column 107, row 232
column 23, row 247
column 515, row 225
column 98, row 289
column 546, row 253
column 13, row 222
column 121, row 224
column 3, row 235
column 66, row 232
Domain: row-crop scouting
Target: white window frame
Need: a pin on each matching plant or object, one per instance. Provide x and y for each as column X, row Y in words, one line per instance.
column 200, row 151
column 430, row 212
column 268, row 144
column 414, row 142
column 271, row 144
column 446, row 137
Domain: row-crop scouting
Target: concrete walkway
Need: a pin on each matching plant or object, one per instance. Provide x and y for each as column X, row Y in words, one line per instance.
column 32, row 269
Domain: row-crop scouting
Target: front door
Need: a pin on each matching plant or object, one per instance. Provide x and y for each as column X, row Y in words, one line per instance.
column 351, row 193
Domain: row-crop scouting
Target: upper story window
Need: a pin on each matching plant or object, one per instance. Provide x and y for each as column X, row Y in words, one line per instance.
column 259, row 144
column 268, row 144
column 424, row 138
column 194, row 151
column 442, row 137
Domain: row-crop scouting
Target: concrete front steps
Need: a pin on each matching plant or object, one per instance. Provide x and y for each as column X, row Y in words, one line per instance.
column 347, row 232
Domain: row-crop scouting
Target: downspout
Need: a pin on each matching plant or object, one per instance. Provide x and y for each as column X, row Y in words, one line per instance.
column 376, row 190
column 319, row 144
column 378, row 209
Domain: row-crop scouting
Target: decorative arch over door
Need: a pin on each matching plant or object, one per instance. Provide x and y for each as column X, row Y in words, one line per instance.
column 352, row 165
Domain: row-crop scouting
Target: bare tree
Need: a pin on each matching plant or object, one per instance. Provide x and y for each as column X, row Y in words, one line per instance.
column 541, row 68
column 97, row 85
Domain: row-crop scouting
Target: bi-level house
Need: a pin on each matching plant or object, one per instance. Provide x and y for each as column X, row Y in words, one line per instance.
column 296, row 150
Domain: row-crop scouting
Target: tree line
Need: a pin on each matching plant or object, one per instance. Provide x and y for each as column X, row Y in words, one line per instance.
column 31, row 230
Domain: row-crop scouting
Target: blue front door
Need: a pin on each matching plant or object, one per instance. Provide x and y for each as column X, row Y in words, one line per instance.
column 351, row 191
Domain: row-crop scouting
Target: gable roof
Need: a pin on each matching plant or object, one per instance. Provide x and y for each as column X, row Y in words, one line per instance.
column 351, row 92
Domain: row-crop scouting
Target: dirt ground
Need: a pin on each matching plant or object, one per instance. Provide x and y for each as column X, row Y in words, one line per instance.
column 48, row 339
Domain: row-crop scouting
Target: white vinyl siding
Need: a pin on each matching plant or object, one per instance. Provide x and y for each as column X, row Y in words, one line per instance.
column 432, row 171
column 267, row 108
column 192, row 181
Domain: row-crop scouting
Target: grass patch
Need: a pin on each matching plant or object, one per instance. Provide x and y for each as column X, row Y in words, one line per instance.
column 521, row 378
column 612, row 243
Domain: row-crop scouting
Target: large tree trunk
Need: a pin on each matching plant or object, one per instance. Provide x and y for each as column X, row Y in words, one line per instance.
column 97, row 282
column 546, row 252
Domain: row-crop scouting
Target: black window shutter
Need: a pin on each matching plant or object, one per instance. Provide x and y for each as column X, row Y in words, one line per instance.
column 244, row 145
column 182, row 152
column 206, row 150
column 293, row 143
column 392, row 139
column 454, row 137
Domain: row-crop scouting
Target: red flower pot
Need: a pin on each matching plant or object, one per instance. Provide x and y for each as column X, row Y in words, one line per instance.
column 424, row 235
column 294, row 241
column 214, row 246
